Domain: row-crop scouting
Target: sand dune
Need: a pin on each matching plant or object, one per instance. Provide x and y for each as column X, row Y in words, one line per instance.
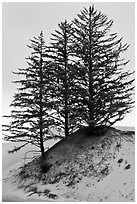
column 119, row 182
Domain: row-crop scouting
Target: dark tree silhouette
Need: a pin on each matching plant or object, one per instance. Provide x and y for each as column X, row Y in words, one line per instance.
column 30, row 118
column 104, row 87
column 80, row 78
column 64, row 87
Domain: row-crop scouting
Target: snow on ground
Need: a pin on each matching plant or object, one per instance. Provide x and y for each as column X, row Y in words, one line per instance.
column 117, row 186
column 11, row 193
column 10, row 164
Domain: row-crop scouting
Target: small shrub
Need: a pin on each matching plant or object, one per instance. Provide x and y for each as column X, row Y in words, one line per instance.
column 128, row 166
column 57, row 162
column 120, row 161
column 46, row 192
column 24, row 175
column 105, row 171
column 118, row 145
column 43, row 178
column 45, row 167
column 33, row 189
column 96, row 131
column 53, row 196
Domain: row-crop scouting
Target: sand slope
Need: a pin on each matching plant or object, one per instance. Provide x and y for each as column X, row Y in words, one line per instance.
column 110, row 181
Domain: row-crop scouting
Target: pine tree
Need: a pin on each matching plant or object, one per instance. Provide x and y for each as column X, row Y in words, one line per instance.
column 105, row 88
column 64, row 87
column 30, row 118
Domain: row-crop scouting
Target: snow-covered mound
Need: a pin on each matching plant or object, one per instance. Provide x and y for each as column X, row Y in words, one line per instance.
column 90, row 166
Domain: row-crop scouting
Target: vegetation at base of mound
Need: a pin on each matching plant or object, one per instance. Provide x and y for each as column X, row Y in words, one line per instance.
column 73, row 158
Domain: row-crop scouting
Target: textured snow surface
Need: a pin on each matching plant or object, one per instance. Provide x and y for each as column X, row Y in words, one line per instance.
column 117, row 186
column 115, row 183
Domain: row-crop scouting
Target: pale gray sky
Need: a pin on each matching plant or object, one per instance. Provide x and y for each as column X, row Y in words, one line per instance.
column 23, row 21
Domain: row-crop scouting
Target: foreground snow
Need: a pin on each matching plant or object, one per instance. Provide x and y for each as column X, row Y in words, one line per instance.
column 118, row 185
column 10, row 164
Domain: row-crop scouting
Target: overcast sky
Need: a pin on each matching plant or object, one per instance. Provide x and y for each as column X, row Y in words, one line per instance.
column 23, row 21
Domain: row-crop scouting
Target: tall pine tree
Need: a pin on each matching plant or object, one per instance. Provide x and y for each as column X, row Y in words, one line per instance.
column 64, row 87
column 30, row 118
column 105, row 88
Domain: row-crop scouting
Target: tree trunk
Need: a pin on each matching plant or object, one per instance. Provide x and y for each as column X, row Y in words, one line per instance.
column 41, row 108
column 41, row 143
column 66, row 88
column 66, row 124
column 91, row 103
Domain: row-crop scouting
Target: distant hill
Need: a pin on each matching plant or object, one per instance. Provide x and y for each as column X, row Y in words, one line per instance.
column 125, row 128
